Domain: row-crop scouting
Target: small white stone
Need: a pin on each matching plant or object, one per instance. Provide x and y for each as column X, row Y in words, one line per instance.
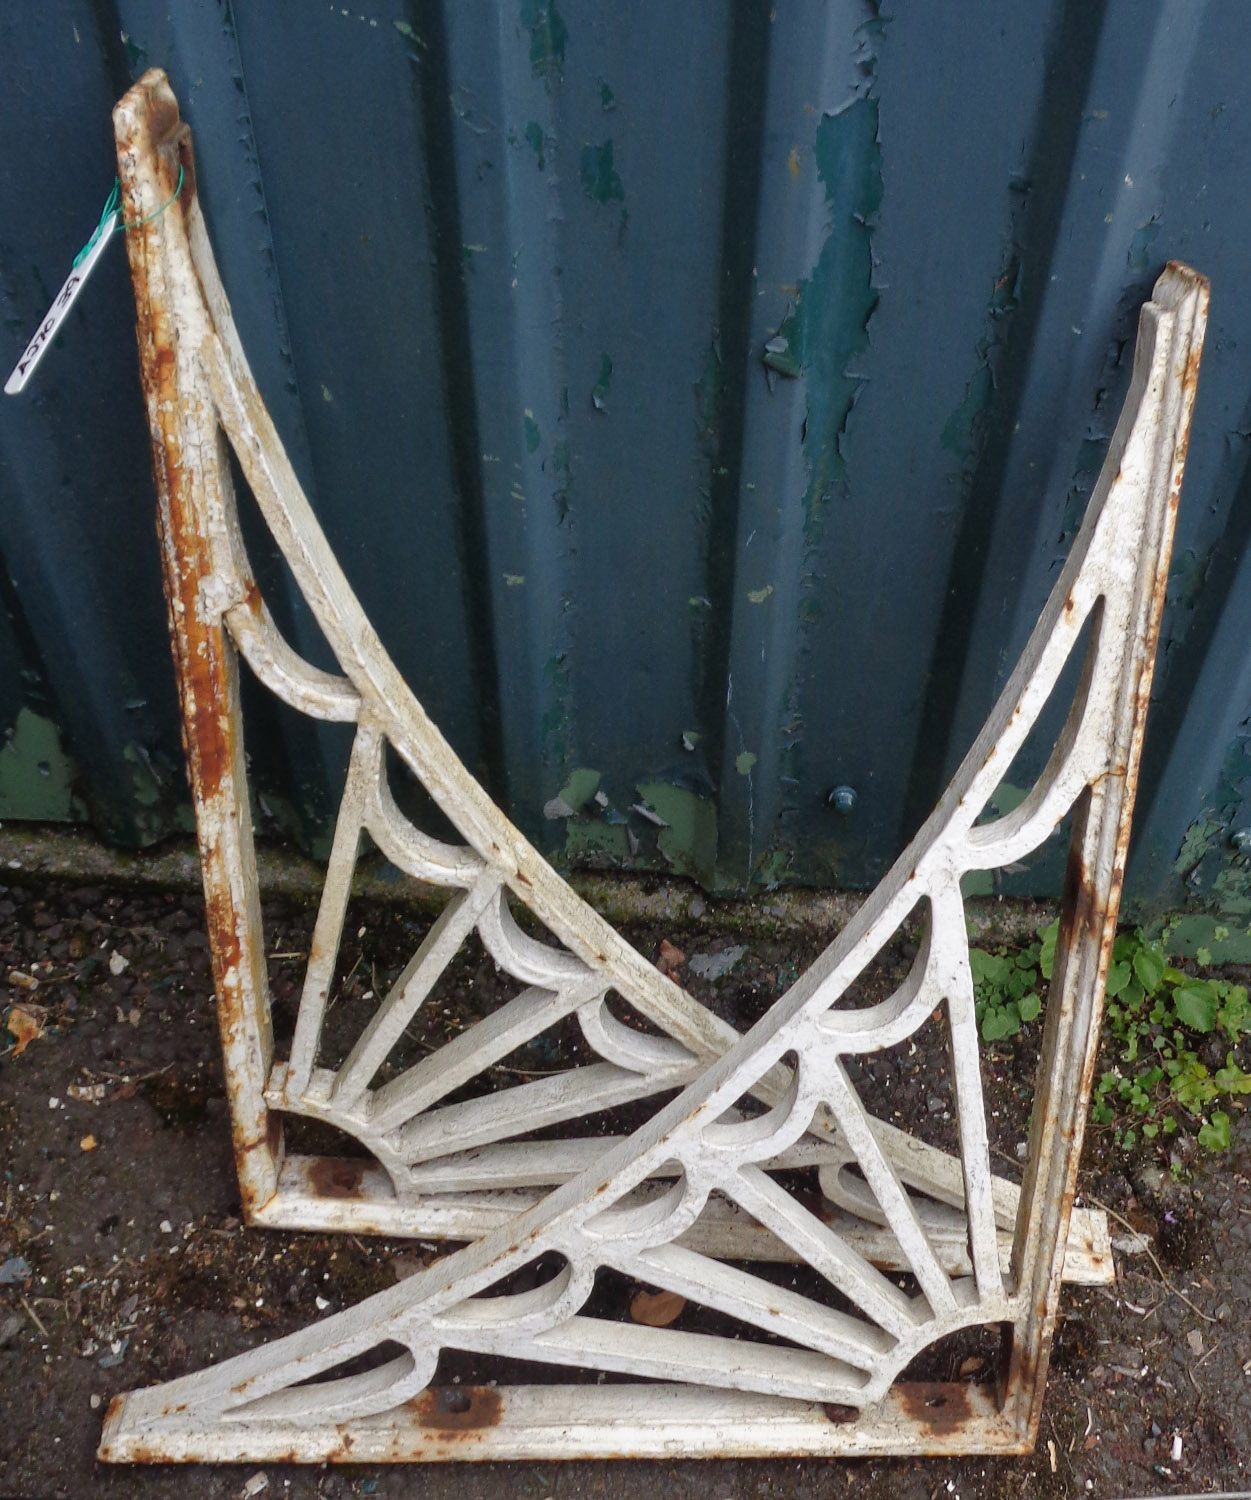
column 166, row 1227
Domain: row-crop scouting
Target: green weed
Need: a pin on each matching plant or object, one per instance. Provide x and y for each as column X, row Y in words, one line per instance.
column 1154, row 1015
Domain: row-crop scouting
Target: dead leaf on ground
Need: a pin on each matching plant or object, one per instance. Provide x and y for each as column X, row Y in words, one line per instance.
column 656, row 1309
column 25, row 1022
column 974, row 1365
column 403, row 1266
column 670, row 958
column 88, row 1143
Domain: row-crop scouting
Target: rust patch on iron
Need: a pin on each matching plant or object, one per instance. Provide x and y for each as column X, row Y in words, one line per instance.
column 337, row 1177
column 459, row 1408
column 940, row 1408
column 252, row 596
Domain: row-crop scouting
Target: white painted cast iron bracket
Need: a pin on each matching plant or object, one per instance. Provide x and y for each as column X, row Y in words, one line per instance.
column 691, row 1201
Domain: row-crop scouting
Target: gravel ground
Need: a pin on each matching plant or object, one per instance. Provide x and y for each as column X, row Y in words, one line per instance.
column 123, row 1262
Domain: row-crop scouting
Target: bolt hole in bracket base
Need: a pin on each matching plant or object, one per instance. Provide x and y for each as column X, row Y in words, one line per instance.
column 895, row 1244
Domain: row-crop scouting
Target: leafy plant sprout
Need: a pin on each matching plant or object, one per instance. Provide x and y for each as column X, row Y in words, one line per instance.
column 1155, row 1016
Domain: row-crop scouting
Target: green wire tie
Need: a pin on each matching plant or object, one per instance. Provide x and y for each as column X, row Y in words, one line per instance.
column 112, row 209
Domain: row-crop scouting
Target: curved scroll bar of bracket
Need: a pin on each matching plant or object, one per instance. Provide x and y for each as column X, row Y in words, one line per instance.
column 940, row 964
column 522, row 956
column 618, row 1043
column 1075, row 761
column 340, row 1400
column 367, row 803
column 630, row 1227
column 762, row 1138
column 535, row 1311
column 286, row 674
column 408, row 849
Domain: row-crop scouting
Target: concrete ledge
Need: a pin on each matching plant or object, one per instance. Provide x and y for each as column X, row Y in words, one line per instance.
column 38, row 853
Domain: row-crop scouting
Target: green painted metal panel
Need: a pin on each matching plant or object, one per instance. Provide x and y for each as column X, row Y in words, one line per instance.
column 700, row 398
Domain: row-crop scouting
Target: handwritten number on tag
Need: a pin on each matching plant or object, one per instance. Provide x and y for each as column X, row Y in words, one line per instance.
column 59, row 310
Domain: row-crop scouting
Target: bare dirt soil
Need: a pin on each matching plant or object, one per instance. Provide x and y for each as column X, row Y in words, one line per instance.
column 123, row 1260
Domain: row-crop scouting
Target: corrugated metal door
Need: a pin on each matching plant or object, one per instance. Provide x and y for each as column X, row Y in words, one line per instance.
column 701, row 399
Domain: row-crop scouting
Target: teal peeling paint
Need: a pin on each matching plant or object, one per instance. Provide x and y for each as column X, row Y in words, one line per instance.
column 600, row 179
column 1090, row 455
column 406, row 31
column 1185, row 579
column 599, row 393
column 533, row 435
column 534, row 135
column 554, row 725
column 828, row 325
column 136, row 56
column 549, row 36
column 709, row 392
column 1140, row 254
column 959, row 435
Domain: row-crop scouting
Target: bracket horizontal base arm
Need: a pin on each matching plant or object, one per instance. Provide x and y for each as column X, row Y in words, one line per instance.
column 353, row 1196
column 545, row 1422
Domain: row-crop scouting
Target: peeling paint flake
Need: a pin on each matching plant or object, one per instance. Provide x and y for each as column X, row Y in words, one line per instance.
column 599, row 392
column 579, row 790
column 959, row 435
column 37, row 777
column 537, row 143
column 1140, row 254
column 407, row 32
column 825, row 331
column 600, row 180
column 549, row 36
column 688, row 839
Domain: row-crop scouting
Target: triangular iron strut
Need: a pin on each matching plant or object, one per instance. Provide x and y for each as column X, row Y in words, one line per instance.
column 687, row 1200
